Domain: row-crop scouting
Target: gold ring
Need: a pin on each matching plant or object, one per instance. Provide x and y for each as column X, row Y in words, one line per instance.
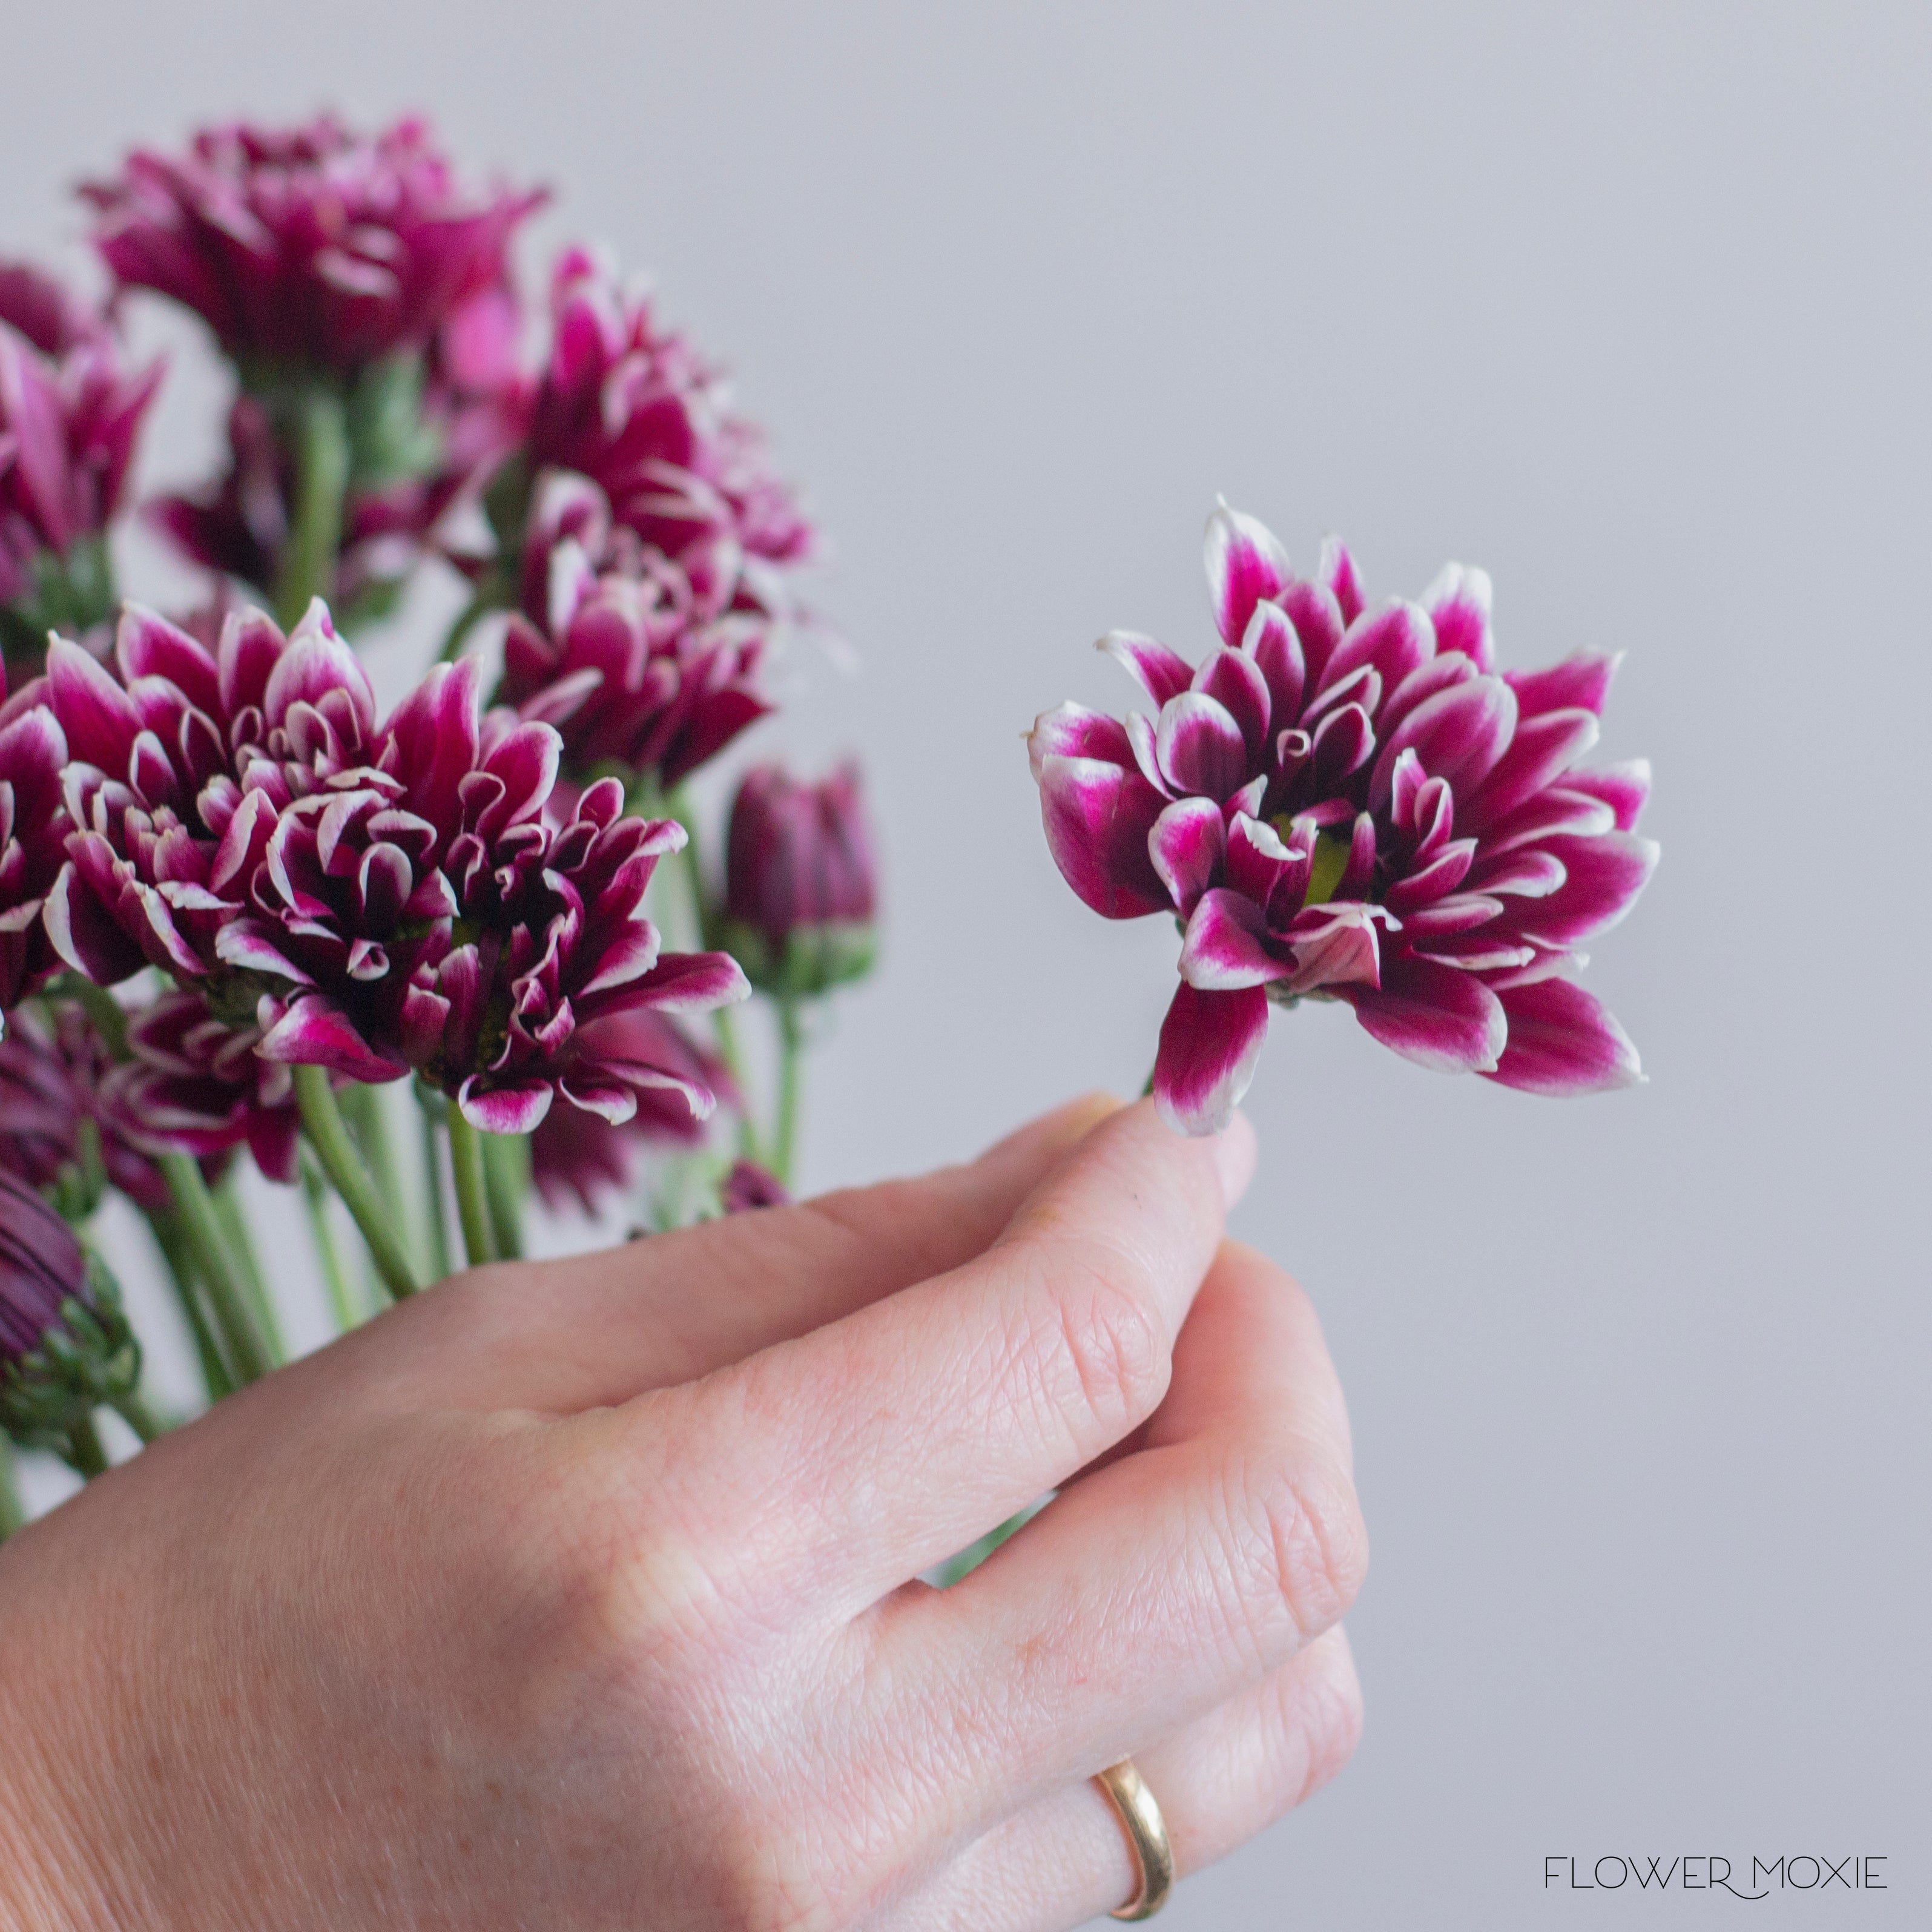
column 1140, row 1818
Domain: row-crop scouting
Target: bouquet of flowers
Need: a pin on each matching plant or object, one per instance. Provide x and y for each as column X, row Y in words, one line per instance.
column 411, row 966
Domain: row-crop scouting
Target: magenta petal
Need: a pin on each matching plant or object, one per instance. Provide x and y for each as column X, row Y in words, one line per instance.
column 1623, row 787
column 244, row 943
column 1439, row 1017
column 693, row 982
column 1459, row 735
column 1604, row 876
column 1583, row 680
column 1562, row 1040
column 1097, row 816
column 1395, row 640
column 1226, row 947
column 1272, row 642
column 506, row 1110
column 1186, row 846
column 1543, row 748
column 1209, row 1045
column 146, row 645
column 1161, row 673
column 629, row 956
column 1072, row 731
column 1234, row 681
column 1319, row 624
column 1334, row 946
column 1245, row 563
column 1458, row 604
column 1335, row 571
column 316, row 662
column 97, row 716
column 313, row 1032
column 1200, row 747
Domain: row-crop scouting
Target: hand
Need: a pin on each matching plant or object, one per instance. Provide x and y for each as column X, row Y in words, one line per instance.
column 580, row 1594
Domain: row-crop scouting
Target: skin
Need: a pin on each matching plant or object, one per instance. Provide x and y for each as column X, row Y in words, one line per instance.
column 583, row 1594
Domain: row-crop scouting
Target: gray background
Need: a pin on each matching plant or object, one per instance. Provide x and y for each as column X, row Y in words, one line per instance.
column 1629, row 304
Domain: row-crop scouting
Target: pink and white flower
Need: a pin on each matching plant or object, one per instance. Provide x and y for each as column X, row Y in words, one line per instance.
column 1353, row 803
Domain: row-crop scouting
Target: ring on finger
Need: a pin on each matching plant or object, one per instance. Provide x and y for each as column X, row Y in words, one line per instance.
column 1135, row 1806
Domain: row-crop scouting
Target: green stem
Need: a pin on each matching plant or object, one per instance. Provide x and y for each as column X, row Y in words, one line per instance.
column 472, row 1205
column 133, row 1411
column 321, row 436
column 432, row 1106
column 791, row 1060
column 241, row 1240
column 13, row 1511
column 329, row 1256
column 85, row 1453
column 322, row 1122
column 183, row 1277
column 506, row 1178
column 362, row 1107
column 202, row 1227
column 725, row 1025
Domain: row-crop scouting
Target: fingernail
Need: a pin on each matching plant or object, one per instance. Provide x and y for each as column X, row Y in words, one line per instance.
column 1235, row 1158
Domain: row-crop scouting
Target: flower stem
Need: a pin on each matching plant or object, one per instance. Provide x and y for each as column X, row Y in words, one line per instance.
column 13, row 1511
column 201, row 1227
column 726, row 1028
column 432, row 1160
column 85, row 1453
column 134, row 1411
column 322, row 1122
column 241, row 1241
column 321, row 436
column 362, row 1107
column 472, row 1205
column 506, row 1178
column 165, row 1226
column 329, row 1256
column 791, row 1069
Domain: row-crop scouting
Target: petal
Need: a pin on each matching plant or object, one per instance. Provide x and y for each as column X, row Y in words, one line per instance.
column 1335, row 571
column 1624, row 788
column 1200, row 747
column 146, row 645
column 1562, row 1040
column 1227, row 946
column 1097, row 818
column 1582, row 679
column 1459, row 735
column 98, row 718
column 629, row 956
column 1186, row 846
column 1435, row 1015
column 692, row 982
column 1605, row 875
column 1072, row 731
column 1234, row 681
column 1209, row 1045
column 1245, row 563
column 1543, row 749
column 504, row 1110
column 316, row 662
column 1458, row 604
column 313, row 1032
column 1395, row 640
column 1162, row 673
column 1335, row 945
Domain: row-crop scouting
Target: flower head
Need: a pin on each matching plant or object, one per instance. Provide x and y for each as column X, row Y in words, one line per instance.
column 310, row 247
column 637, row 667
column 69, row 414
column 193, row 1084
column 33, row 831
column 634, row 408
column 748, row 1186
column 581, row 1157
column 800, row 884
column 53, row 1071
column 1353, row 804
column 64, row 1345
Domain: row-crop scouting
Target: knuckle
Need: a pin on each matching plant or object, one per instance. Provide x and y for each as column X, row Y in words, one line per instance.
column 1098, row 1345
column 1302, row 1549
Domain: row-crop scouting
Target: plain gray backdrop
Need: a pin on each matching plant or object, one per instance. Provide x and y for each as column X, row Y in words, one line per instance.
column 1630, row 303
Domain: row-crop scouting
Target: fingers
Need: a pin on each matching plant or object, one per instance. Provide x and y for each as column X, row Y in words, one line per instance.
column 909, row 1427
column 1153, row 1590
column 1219, row 1781
column 599, row 1329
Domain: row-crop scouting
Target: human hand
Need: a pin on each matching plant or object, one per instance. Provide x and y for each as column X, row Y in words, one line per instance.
column 580, row 1594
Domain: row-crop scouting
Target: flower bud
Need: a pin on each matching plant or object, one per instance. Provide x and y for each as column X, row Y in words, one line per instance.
column 799, row 885
column 748, row 1186
column 65, row 1346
